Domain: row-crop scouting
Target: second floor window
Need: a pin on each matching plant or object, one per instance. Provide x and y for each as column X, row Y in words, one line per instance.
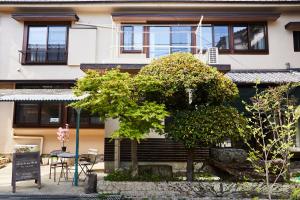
column 296, row 36
column 46, row 44
column 165, row 40
column 214, row 36
column 132, row 38
column 157, row 40
column 249, row 37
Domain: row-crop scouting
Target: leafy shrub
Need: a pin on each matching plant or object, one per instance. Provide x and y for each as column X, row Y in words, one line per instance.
column 295, row 194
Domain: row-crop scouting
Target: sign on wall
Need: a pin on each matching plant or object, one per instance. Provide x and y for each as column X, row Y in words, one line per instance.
column 26, row 166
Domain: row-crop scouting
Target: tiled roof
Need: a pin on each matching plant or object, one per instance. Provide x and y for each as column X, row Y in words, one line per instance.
column 60, row 95
column 275, row 77
column 141, row 1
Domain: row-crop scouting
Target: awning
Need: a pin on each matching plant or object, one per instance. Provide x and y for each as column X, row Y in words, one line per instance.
column 57, row 95
column 264, row 77
column 65, row 16
column 292, row 26
column 128, row 17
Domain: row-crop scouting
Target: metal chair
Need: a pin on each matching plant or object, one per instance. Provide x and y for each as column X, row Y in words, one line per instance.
column 55, row 163
column 87, row 161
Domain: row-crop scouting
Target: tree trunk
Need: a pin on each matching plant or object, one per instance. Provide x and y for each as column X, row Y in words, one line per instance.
column 190, row 165
column 134, row 162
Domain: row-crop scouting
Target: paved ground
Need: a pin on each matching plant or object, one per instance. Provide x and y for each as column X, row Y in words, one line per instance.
column 49, row 187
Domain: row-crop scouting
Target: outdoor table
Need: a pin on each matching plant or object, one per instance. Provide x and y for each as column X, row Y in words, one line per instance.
column 64, row 155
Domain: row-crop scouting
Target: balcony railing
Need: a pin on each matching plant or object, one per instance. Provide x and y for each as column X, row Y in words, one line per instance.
column 44, row 56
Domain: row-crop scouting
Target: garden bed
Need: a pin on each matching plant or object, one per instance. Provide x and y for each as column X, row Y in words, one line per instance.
column 189, row 190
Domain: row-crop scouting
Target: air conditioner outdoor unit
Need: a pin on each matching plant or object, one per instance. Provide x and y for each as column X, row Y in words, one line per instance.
column 213, row 55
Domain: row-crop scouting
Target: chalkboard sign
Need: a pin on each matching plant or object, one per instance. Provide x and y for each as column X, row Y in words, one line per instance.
column 26, row 166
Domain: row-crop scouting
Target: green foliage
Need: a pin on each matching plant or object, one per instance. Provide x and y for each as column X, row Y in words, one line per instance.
column 126, row 175
column 273, row 127
column 182, row 71
column 195, row 94
column 295, row 194
column 203, row 117
column 120, row 96
column 208, row 124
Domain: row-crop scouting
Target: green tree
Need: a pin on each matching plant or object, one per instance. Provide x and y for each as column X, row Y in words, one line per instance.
column 119, row 96
column 197, row 96
column 273, row 124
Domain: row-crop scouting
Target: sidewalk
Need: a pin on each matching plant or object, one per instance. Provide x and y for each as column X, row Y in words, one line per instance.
column 49, row 187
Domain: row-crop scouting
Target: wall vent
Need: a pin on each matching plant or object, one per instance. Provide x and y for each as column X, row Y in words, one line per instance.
column 213, row 55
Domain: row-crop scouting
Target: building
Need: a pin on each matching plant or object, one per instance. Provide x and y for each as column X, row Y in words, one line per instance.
column 45, row 45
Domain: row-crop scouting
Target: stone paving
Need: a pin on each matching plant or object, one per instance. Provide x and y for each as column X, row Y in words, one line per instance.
column 48, row 185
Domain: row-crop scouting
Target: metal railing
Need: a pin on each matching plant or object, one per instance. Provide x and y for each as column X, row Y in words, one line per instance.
column 44, row 56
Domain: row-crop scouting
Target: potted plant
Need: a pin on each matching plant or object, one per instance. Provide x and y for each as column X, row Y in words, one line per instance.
column 63, row 135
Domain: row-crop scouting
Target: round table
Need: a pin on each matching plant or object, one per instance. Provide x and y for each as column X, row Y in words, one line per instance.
column 63, row 156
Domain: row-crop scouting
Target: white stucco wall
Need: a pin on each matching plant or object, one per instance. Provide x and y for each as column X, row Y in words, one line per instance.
column 6, row 130
column 11, row 38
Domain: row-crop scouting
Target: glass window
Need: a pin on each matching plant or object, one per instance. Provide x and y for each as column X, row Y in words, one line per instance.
column 37, row 44
column 133, row 38
column 214, row 36
column 46, row 44
column 51, row 114
column 37, row 38
column 86, row 119
column 95, row 120
column 240, row 37
column 44, row 86
column 159, row 41
column 296, row 36
column 181, row 39
column 57, row 43
column 221, row 37
column 206, row 37
column 27, row 113
column 257, row 37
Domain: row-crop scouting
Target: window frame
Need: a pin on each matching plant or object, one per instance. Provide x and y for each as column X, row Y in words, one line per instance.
column 193, row 37
column 38, row 124
column 90, row 125
column 63, row 107
column 294, row 40
column 249, row 50
column 230, row 24
column 64, row 118
column 123, row 50
column 26, row 41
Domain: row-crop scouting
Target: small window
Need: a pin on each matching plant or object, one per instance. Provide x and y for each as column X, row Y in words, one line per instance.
column 257, row 37
column 51, row 114
column 181, row 39
column 159, row 41
column 296, row 35
column 206, row 37
column 86, row 119
column 133, row 38
column 46, row 45
column 214, row 36
column 27, row 113
column 240, row 37
column 221, row 37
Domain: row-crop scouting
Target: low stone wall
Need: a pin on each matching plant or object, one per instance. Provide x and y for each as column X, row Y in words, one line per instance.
column 192, row 190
